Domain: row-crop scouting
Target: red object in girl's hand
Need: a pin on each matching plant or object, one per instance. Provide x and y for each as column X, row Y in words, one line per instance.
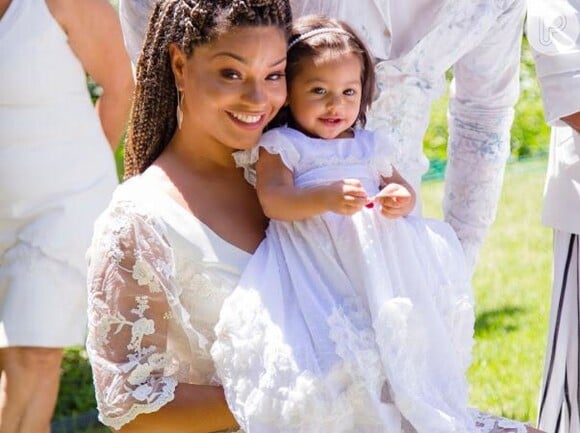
column 370, row 204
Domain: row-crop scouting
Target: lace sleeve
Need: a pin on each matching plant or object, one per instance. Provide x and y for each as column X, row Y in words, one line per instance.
column 390, row 152
column 131, row 302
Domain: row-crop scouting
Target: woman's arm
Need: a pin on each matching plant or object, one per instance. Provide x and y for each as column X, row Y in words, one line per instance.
column 195, row 409
column 135, row 316
column 281, row 200
column 94, row 35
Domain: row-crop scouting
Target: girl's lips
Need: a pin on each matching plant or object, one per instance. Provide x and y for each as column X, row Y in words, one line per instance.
column 331, row 120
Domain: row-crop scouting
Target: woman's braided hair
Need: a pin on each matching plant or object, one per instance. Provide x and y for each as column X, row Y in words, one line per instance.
column 187, row 23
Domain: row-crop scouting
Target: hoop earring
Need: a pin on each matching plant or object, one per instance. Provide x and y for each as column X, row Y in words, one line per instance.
column 179, row 113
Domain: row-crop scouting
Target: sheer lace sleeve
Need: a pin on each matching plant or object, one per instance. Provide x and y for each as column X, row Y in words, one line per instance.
column 389, row 152
column 132, row 305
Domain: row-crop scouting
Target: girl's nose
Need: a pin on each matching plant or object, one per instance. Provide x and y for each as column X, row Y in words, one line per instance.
column 334, row 100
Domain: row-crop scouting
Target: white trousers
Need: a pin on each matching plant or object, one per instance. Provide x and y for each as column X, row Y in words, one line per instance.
column 559, row 404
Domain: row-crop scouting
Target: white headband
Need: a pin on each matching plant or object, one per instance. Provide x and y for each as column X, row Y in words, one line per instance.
column 317, row 32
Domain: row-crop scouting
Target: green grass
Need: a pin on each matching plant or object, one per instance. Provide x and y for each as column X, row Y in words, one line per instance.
column 512, row 291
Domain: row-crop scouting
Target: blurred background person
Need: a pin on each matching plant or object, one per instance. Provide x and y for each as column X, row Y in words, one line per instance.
column 553, row 29
column 57, row 173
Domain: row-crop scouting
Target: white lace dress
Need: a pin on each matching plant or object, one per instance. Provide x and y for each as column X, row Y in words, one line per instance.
column 157, row 280
column 349, row 324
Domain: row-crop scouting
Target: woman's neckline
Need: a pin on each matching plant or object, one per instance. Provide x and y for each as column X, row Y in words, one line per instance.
column 9, row 14
column 186, row 214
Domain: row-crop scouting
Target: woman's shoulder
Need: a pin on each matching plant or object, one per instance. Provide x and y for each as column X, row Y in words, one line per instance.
column 131, row 204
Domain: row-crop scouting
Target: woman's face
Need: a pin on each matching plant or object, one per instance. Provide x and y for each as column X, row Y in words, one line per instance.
column 232, row 86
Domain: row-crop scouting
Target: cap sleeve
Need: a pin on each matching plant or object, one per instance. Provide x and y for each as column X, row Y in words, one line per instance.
column 133, row 302
column 277, row 142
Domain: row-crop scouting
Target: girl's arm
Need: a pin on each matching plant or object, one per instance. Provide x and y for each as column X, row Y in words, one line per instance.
column 281, row 200
column 94, row 35
column 195, row 409
column 398, row 197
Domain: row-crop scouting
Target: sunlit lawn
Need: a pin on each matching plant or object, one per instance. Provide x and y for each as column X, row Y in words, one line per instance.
column 511, row 286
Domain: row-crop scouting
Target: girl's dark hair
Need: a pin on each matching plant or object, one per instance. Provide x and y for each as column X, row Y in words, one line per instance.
column 321, row 46
column 187, row 23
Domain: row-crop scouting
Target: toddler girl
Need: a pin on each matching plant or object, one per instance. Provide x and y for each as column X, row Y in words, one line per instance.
column 352, row 316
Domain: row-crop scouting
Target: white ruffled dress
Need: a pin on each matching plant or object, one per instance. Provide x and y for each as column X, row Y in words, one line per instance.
column 348, row 323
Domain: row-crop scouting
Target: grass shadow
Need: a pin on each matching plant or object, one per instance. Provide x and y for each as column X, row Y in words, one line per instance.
column 498, row 321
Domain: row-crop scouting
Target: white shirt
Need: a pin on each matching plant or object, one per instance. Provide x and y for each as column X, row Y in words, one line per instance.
column 554, row 33
column 419, row 41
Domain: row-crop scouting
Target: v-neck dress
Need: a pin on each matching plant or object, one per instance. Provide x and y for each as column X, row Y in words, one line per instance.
column 157, row 279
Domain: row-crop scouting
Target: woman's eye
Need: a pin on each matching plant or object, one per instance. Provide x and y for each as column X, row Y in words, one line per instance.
column 349, row 92
column 319, row 91
column 230, row 74
column 276, row 76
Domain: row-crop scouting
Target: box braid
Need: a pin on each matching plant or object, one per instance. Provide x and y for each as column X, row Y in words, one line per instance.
column 187, row 23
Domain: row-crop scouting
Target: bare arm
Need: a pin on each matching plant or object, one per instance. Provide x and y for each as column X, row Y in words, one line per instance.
column 195, row 409
column 94, row 35
column 281, row 200
column 573, row 120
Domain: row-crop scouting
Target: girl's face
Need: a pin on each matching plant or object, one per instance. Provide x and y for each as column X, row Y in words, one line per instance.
column 325, row 98
column 232, row 86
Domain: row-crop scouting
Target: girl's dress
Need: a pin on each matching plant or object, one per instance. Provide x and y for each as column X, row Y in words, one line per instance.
column 57, row 173
column 349, row 323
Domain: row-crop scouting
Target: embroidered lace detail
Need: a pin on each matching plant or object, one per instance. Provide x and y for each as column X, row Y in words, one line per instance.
column 264, row 384
column 148, row 330
column 486, row 423
column 482, row 97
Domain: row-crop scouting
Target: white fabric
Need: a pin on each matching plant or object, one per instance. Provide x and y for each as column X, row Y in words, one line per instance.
column 157, row 280
column 134, row 16
column 558, row 408
column 57, row 173
column 419, row 41
column 558, row 68
column 347, row 324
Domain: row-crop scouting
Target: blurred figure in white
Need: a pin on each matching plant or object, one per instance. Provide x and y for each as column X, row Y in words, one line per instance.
column 57, row 173
column 553, row 29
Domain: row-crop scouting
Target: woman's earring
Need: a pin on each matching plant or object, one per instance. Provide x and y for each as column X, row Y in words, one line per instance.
column 179, row 110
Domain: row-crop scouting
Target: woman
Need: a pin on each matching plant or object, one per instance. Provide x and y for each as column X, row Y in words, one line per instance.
column 178, row 233
column 57, row 173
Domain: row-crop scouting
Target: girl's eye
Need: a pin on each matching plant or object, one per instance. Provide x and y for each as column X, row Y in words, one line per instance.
column 230, row 74
column 319, row 91
column 349, row 92
column 276, row 76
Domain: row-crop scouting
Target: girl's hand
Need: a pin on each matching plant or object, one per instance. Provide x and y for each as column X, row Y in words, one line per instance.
column 395, row 200
column 345, row 197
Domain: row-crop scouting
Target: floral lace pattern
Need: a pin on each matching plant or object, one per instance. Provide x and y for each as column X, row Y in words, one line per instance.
column 152, row 308
column 469, row 36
